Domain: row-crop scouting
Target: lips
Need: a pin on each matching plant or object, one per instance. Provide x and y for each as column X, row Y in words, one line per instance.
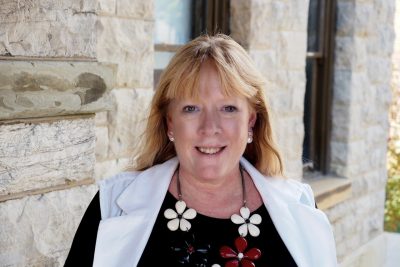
column 210, row 150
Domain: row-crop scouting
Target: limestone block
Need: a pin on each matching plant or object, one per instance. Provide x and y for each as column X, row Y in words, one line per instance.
column 353, row 241
column 372, row 225
column 269, row 16
column 289, row 135
column 385, row 11
column 364, row 205
column 265, row 61
column 280, row 102
column 345, row 18
column 49, row 88
column 240, row 12
column 345, row 157
column 128, row 43
column 38, row 230
column 48, row 28
column 365, row 17
column 384, row 40
column 351, row 88
column 287, row 102
column 289, row 15
column 108, row 168
column 292, row 50
column 101, row 142
column 106, row 7
column 377, row 156
column 101, row 118
column 370, row 254
column 379, row 69
column 127, row 120
column 288, row 80
column 367, row 183
column 337, row 212
column 351, row 53
column 294, row 169
column 346, row 123
column 136, row 9
column 340, row 251
column 36, row 155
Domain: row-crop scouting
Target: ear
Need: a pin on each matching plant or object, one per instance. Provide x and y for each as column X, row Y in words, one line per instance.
column 252, row 118
column 169, row 123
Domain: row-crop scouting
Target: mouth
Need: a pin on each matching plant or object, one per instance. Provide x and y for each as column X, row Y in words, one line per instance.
column 210, row 150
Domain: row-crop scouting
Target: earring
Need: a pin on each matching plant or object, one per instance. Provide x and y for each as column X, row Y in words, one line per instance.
column 250, row 138
column 170, row 136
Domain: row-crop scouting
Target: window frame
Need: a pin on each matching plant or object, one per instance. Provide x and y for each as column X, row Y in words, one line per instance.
column 208, row 16
column 320, row 97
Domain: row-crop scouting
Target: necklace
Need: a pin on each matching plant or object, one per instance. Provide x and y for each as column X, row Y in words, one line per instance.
column 241, row 256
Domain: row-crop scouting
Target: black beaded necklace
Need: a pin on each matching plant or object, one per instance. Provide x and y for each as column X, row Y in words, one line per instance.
column 241, row 256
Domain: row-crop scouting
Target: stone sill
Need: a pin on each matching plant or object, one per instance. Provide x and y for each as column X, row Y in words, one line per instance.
column 329, row 190
column 39, row 88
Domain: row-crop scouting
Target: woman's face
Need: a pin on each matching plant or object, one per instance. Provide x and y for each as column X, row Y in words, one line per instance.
column 211, row 133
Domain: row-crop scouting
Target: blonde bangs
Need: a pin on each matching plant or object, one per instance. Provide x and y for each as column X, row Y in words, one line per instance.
column 184, row 83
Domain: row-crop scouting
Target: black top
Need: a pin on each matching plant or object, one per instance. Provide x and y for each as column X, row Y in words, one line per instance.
column 198, row 247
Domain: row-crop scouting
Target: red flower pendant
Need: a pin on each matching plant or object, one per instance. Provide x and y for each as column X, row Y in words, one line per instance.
column 241, row 257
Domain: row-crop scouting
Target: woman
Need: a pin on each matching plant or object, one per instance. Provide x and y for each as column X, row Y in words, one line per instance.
column 208, row 190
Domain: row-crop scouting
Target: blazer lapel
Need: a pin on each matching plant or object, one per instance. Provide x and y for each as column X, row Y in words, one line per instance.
column 297, row 224
column 121, row 240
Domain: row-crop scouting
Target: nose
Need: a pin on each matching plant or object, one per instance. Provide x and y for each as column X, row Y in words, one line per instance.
column 210, row 123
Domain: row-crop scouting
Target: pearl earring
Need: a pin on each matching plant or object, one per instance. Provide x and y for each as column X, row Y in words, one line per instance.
column 171, row 138
column 250, row 138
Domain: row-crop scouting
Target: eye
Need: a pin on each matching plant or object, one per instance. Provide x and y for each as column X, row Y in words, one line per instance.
column 230, row 108
column 189, row 108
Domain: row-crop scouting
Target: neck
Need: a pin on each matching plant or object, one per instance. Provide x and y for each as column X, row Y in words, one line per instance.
column 219, row 197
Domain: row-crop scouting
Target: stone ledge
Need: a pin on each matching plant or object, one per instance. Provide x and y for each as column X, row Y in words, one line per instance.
column 52, row 88
column 28, row 193
column 329, row 191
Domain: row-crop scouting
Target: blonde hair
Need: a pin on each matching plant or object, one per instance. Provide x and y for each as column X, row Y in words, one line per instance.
column 180, row 79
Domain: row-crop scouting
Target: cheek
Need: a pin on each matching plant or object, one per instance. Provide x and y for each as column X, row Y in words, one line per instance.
column 184, row 131
column 237, row 129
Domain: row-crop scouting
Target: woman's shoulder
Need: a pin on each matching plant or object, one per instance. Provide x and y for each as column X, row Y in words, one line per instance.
column 111, row 188
column 123, row 178
column 292, row 186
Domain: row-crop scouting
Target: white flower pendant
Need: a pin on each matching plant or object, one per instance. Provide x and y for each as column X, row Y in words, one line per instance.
column 248, row 225
column 179, row 218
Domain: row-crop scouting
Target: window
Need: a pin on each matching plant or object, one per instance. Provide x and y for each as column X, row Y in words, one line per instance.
column 179, row 21
column 319, row 70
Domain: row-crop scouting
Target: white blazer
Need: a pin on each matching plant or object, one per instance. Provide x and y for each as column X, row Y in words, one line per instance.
column 130, row 203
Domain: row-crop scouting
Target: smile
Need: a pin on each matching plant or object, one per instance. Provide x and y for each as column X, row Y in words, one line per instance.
column 210, row 150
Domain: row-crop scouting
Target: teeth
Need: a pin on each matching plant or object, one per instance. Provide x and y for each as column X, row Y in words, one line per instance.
column 209, row 150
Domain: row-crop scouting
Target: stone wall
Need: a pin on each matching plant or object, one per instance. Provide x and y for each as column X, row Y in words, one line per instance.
column 51, row 86
column 262, row 27
column 49, row 28
column 125, row 39
column 395, row 108
column 361, row 98
column 76, row 78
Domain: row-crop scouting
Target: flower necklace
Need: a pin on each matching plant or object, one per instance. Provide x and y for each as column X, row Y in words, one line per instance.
column 179, row 219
